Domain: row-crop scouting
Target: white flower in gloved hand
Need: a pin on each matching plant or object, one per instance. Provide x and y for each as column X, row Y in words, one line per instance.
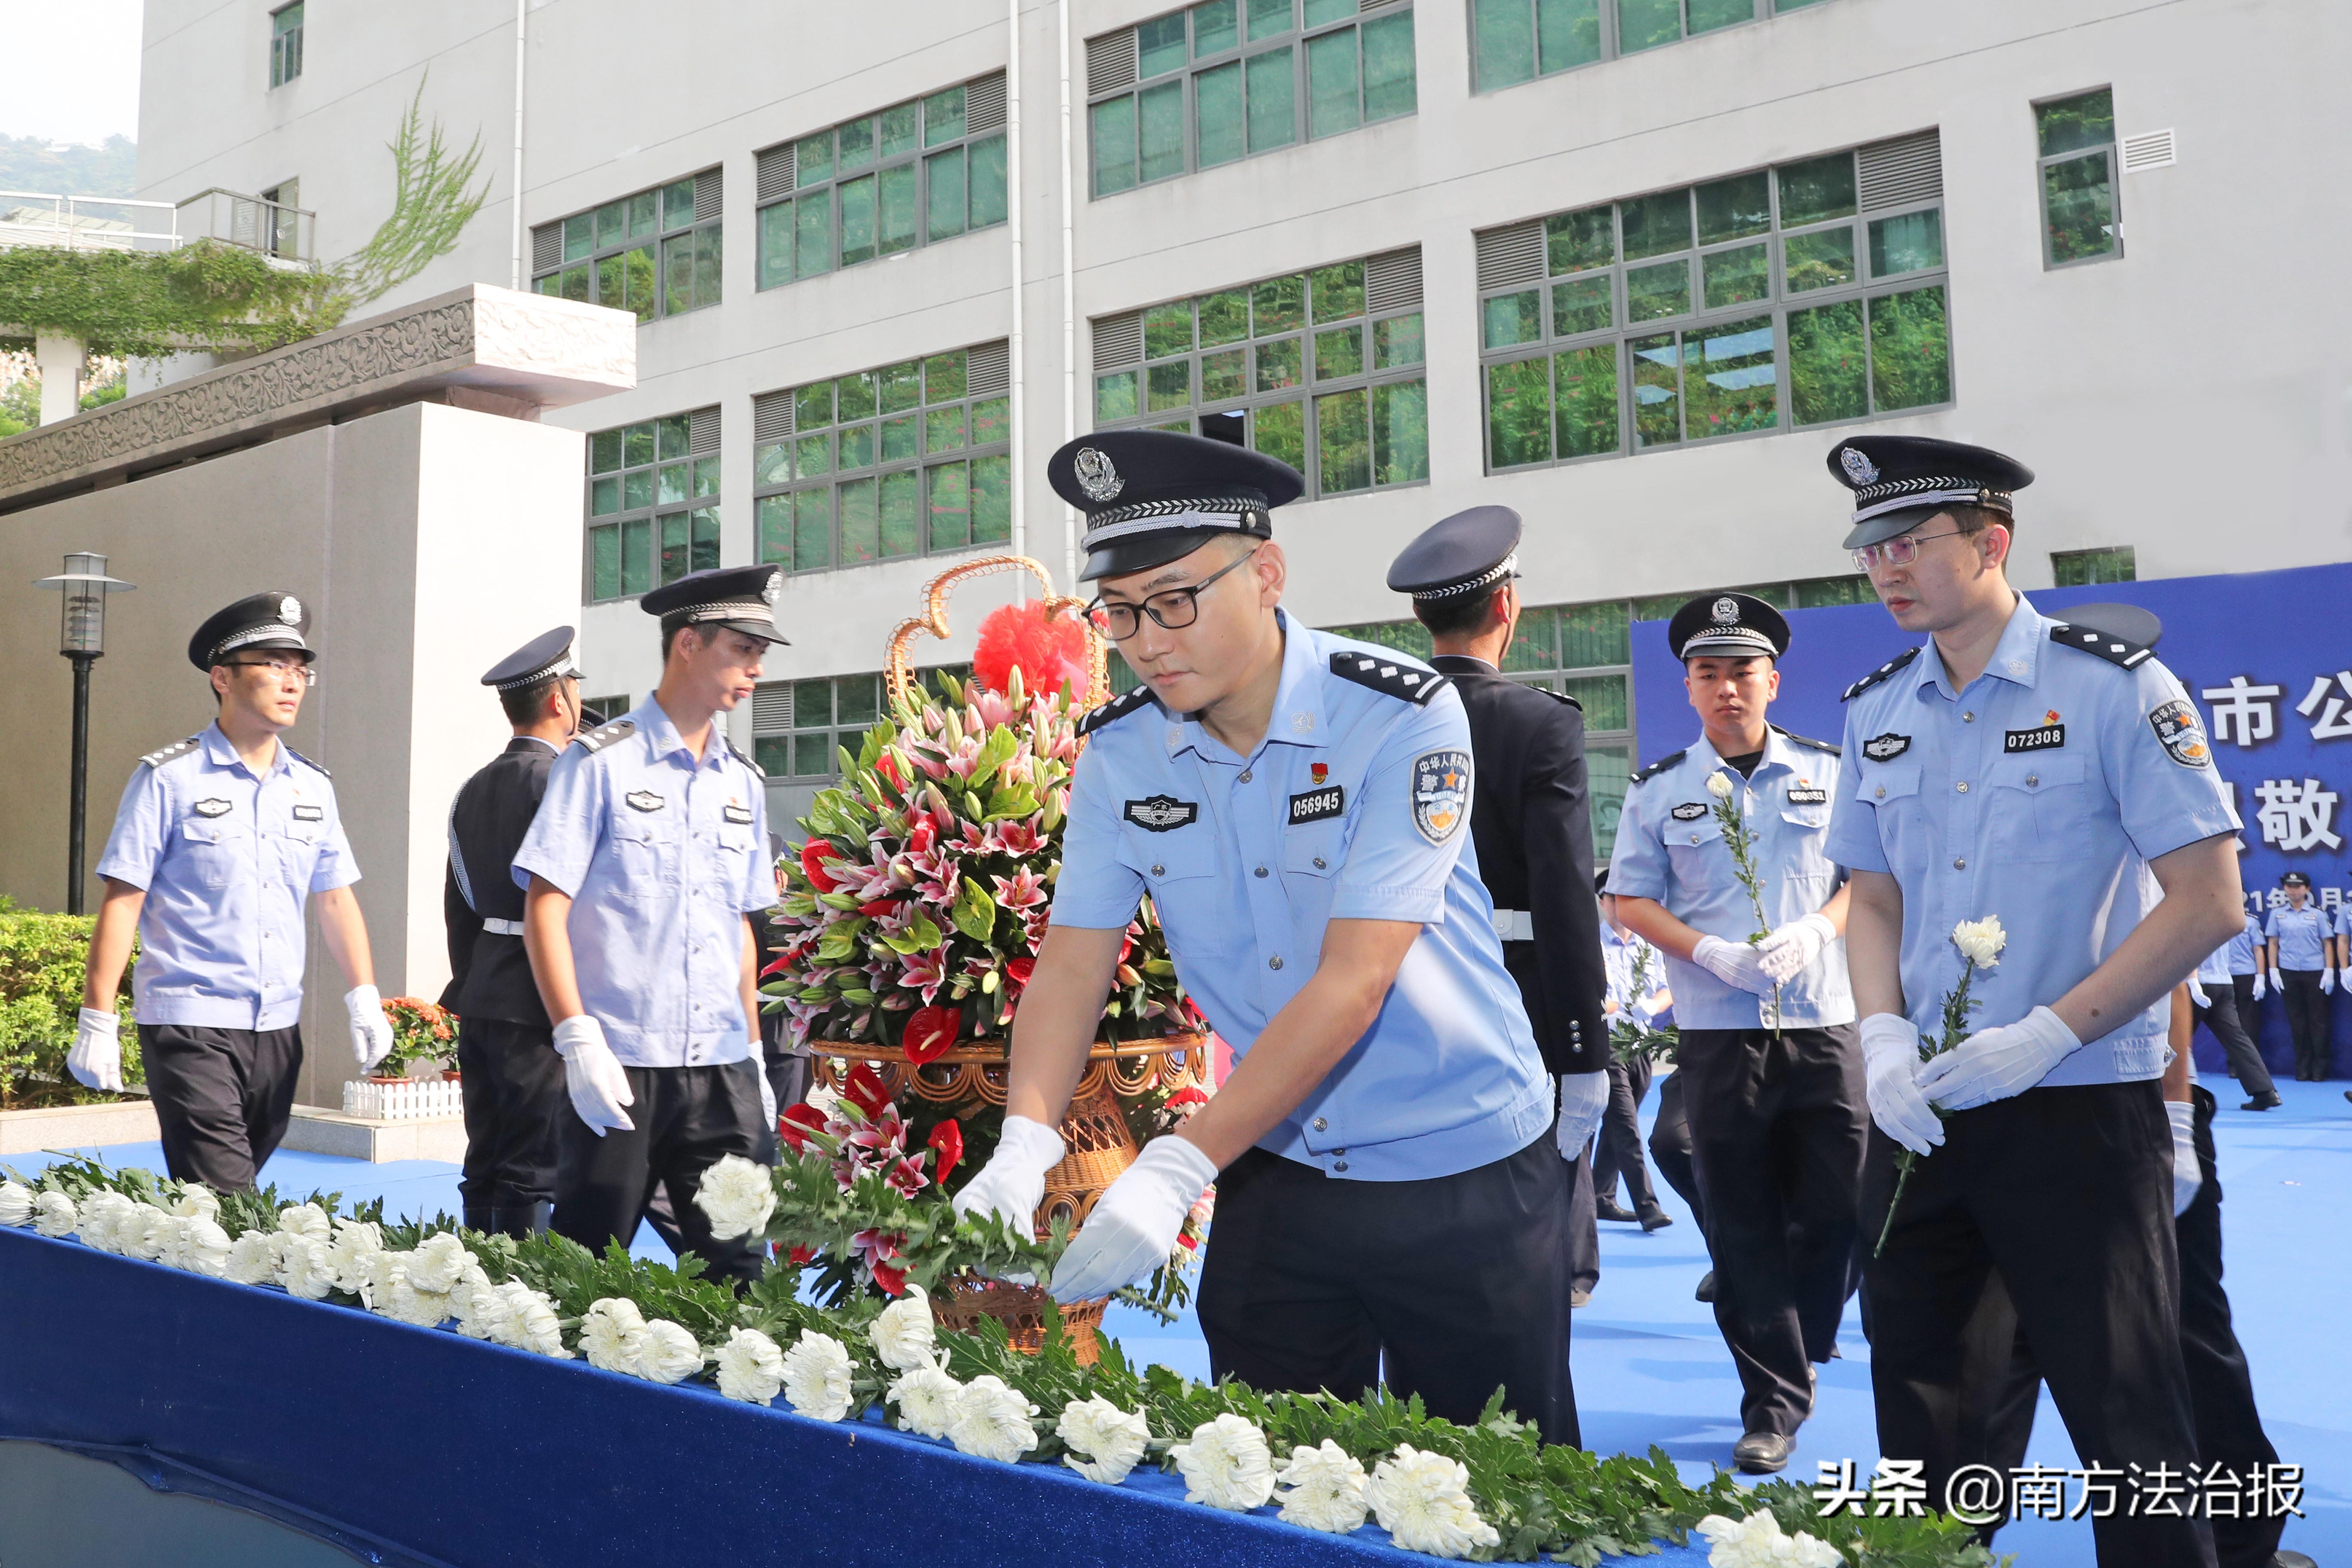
column 1135, row 1223
column 1994, row 1064
column 1735, row 964
column 1794, row 948
column 1890, row 1065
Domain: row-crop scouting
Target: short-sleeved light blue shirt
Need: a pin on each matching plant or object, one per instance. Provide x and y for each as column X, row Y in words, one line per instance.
column 1621, row 956
column 1670, row 849
column 2030, row 795
column 1355, row 807
column 2302, row 935
column 2238, row 953
column 662, row 855
column 227, row 858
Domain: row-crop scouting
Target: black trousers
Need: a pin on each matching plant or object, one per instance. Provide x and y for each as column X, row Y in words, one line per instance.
column 2236, row 1033
column 512, row 1084
column 2068, row 1193
column 1620, row 1150
column 687, row 1118
column 222, row 1098
column 2221, row 1390
column 1583, row 1233
column 1670, row 1146
column 2307, row 1022
column 1452, row 1287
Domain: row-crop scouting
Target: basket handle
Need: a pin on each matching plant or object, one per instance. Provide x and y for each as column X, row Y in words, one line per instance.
column 898, row 663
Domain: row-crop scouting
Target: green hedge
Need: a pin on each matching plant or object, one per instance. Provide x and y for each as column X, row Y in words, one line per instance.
column 41, row 960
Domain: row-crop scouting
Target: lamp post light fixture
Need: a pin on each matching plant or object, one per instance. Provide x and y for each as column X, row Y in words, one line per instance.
column 81, row 637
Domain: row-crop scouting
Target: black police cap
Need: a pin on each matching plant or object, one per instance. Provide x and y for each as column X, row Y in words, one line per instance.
column 1460, row 555
column 1900, row 481
column 276, row 619
column 1155, row 496
column 545, row 656
column 2294, row 880
column 1727, row 626
column 739, row 598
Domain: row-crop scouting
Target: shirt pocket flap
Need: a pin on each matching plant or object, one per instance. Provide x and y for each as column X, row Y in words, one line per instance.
column 2034, row 775
column 1880, row 785
column 1170, row 857
column 196, row 830
column 1682, row 826
column 1314, row 852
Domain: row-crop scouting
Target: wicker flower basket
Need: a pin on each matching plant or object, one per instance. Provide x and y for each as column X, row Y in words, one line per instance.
column 1094, row 1132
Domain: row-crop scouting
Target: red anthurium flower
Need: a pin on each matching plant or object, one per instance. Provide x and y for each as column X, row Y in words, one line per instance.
column 813, row 855
column 947, row 1143
column 797, row 1122
column 892, row 1280
column 878, row 908
column 867, row 1090
column 1018, row 970
column 1191, row 1095
column 887, row 767
column 930, row 1032
column 804, row 1254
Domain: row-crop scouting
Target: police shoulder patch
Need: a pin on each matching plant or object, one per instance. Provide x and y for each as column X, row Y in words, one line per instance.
column 1441, row 793
column 156, row 759
column 2099, row 644
column 301, row 758
column 1389, row 675
column 1808, row 742
column 1661, row 765
column 745, row 757
column 604, row 735
column 1111, row 712
column 2177, row 726
column 1881, row 673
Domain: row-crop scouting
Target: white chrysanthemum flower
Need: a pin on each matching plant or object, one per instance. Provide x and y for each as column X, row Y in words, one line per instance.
column 1757, row 1541
column 1226, row 1464
column 990, row 1420
column 612, row 1334
column 438, row 1263
column 483, row 1311
column 203, row 1247
column 902, row 1334
column 16, row 1204
column 306, row 1219
column 751, row 1367
column 537, row 1327
column 816, row 1377
column 253, row 1259
column 1720, row 785
column 195, row 1201
column 54, row 1214
column 1104, row 1442
column 1423, row 1500
column 145, row 1232
column 926, row 1398
column 737, row 1196
column 1980, row 942
column 164, row 1239
column 1323, row 1490
column 103, row 1214
column 356, row 1242
column 306, row 1266
column 668, row 1353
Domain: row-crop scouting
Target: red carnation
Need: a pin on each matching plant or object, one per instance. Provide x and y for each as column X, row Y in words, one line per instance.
column 867, row 1090
column 803, row 1254
column 947, row 1143
column 813, row 855
column 797, row 1122
column 1049, row 647
column 931, row 1033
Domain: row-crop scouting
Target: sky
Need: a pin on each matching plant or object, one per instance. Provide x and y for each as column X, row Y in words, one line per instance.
column 76, row 71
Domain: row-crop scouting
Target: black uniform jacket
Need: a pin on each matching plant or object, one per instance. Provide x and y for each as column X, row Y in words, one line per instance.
column 1531, row 819
column 489, row 972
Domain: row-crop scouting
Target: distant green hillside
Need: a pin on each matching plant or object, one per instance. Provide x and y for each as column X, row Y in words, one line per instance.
column 31, row 163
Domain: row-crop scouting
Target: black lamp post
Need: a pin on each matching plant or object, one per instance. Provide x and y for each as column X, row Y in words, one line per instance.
column 82, row 638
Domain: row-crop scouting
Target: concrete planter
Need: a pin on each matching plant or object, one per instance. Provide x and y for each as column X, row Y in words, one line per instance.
column 316, row 1130
column 77, row 1127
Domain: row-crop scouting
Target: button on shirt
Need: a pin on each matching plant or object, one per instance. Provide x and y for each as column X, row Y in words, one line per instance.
column 2301, row 935
column 2069, row 778
column 1670, row 848
column 1353, row 808
column 1623, row 956
column 227, row 858
column 663, row 856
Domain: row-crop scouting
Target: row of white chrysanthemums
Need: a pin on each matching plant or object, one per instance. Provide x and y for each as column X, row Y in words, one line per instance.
column 1422, row 1499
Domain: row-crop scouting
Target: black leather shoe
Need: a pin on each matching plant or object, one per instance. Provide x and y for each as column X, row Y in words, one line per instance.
column 2270, row 1102
column 1761, row 1453
column 1705, row 1291
column 1611, row 1209
column 523, row 1224
column 2296, row 1558
column 1654, row 1218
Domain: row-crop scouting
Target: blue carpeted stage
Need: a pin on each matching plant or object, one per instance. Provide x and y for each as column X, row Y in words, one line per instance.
column 402, row 1424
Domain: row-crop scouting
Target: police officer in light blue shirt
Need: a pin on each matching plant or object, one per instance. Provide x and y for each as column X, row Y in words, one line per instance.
column 2300, row 935
column 2014, row 765
column 1295, row 805
column 648, row 853
column 217, row 847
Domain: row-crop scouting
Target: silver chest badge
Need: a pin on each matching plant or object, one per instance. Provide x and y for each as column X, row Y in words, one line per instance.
column 1095, row 476
column 1858, row 467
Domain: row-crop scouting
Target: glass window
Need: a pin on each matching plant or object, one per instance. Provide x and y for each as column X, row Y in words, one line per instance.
column 645, row 254
column 903, row 459
column 1514, row 41
column 284, row 44
column 2077, row 138
column 916, row 173
column 2081, row 568
column 653, row 509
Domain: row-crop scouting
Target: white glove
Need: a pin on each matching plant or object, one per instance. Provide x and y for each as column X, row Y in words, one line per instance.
column 370, row 1030
column 1791, row 949
column 1890, row 1065
column 1733, row 962
column 1013, row 1184
column 1135, row 1223
column 1584, row 1096
column 767, row 1091
column 2262, row 984
column 2196, row 995
column 1993, row 1064
column 2188, row 1176
column 2327, row 981
column 96, row 1059
column 592, row 1076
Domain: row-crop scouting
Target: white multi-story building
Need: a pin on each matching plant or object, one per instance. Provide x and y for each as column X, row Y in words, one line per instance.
column 1628, row 266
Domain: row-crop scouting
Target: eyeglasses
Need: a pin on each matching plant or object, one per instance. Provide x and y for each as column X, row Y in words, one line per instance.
column 283, row 669
column 1900, row 551
column 1175, row 609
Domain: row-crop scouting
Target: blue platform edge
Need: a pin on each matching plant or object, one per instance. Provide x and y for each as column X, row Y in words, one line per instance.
column 390, row 1441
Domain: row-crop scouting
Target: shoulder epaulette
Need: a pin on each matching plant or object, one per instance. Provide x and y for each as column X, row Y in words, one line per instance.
column 1112, row 711
column 604, row 735
column 1560, row 697
column 1661, row 765
column 1807, row 740
column 745, row 757
column 177, row 748
column 1413, row 685
column 1881, row 673
column 2099, row 644
column 301, row 758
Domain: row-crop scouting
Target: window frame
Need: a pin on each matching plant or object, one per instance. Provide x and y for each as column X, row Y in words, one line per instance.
column 2111, row 150
column 655, row 514
column 2066, row 565
column 1608, row 36
column 1297, row 39
column 834, row 728
column 699, row 241
column 286, row 44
